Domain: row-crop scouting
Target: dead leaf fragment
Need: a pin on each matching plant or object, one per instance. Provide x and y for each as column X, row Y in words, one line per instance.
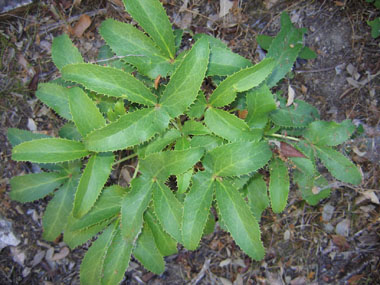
column 243, row 114
column 225, row 6
column 61, row 254
column 82, row 25
column 291, row 95
column 341, row 242
column 289, row 151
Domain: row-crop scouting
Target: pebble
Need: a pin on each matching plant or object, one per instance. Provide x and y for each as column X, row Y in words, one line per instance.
column 7, row 237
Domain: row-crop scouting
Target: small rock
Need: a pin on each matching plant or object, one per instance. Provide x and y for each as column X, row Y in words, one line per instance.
column 328, row 212
column 18, row 255
column 31, row 125
column 343, row 228
column 7, row 237
column 287, row 235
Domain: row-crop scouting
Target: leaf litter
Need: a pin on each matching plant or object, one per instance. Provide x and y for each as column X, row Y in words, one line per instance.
column 308, row 253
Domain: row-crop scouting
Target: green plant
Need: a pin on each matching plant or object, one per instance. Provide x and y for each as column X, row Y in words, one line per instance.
column 374, row 24
column 177, row 129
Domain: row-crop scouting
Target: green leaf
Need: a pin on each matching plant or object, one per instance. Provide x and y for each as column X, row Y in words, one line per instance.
column 240, row 81
column 17, row 136
column 210, row 224
column 207, row 142
column 284, row 49
column 307, row 184
column 162, row 164
column 159, row 143
column 237, row 158
column 69, row 131
column 298, row 115
column 329, row 133
column 198, row 108
column 136, row 48
column 30, row 187
column 92, row 264
column 230, row 127
column 86, row 115
column 213, row 42
column 183, row 181
column 182, row 143
column 339, row 165
column 186, row 81
column 64, row 52
column 74, row 238
column 116, row 260
column 239, row 220
column 264, row 41
column 196, row 209
column 165, row 243
column 194, row 128
column 56, row 97
column 49, row 150
column 307, row 53
column 168, row 210
column 131, row 129
column 279, row 185
column 257, row 195
column 152, row 18
column 147, row 252
column 109, row 81
column 58, row 210
column 375, row 27
column 304, row 165
column 106, row 207
column 91, row 183
column 260, row 103
column 133, row 207
column 107, row 57
column 224, row 62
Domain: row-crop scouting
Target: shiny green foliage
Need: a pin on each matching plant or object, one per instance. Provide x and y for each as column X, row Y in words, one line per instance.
column 193, row 135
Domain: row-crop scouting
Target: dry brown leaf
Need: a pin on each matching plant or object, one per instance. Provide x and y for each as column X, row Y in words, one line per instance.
column 289, row 151
column 355, row 279
column 243, row 114
column 61, row 254
column 82, row 25
column 341, row 242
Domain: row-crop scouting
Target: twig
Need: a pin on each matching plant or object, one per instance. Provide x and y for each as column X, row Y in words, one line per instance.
column 201, row 274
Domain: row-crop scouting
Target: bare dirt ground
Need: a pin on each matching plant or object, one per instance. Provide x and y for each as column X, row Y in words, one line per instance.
column 336, row 242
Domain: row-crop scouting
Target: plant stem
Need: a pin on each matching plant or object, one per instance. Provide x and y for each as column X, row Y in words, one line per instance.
column 136, row 170
column 285, row 137
column 125, row 158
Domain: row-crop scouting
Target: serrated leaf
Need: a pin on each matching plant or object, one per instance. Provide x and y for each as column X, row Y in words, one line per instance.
column 239, row 220
column 278, row 185
column 168, row 210
column 159, row 143
column 16, row 136
column 69, row 131
column 208, row 142
column 257, row 195
column 106, row 207
column 339, row 165
column 116, row 260
column 92, row 264
column 109, row 81
column 86, row 115
column 210, row 224
column 131, row 129
column 30, row 187
column 307, row 53
column 107, row 57
column 186, row 81
column 224, row 62
column 237, row 158
column 304, row 165
column 58, row 210
column 196, row 209
column 230, row 127
column 284, row 48
column 183, row 181
column 298, row 115
column 375, row 26
column 165, row 243
column 198, row 108
column 74, row 238
column 133, row 207
column 64, row 52
column 213, row 42
column 264, row 41
column 137, row 49
column 306, row 185
column 260, row 103
column 56, row 97
column 240, row 81
column 182, row 143
column 329, row 133
column 162, row 164
column 194, row 128
column 152, row 18
column 91, row 183
column 49, row 150
column 147, row 252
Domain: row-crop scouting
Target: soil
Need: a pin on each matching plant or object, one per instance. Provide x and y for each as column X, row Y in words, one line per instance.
column 303, row 245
